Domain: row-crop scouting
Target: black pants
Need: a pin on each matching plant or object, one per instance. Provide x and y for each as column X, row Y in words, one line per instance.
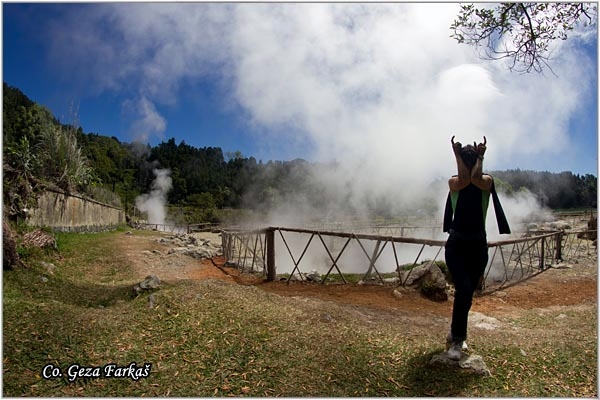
column 466, row 260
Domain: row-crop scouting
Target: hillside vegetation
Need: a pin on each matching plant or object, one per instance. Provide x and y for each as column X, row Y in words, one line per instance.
column 39, row 150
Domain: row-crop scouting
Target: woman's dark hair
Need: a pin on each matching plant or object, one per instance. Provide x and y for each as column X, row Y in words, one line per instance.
column 469, row 155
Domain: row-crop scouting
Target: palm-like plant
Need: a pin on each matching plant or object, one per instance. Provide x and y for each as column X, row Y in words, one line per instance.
column 64, row 164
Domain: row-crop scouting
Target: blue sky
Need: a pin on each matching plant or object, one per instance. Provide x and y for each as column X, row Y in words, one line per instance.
column 380, row 88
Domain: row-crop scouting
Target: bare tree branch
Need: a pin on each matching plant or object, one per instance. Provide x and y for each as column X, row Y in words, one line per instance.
column 523, row 32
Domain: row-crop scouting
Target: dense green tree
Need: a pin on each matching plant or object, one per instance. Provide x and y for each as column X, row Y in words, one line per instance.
column 553, row 190
column 15, row 114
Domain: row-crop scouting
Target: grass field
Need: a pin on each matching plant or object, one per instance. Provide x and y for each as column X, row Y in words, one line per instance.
column 213, row 338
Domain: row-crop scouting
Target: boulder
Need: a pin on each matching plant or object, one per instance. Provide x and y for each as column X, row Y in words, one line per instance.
column 433, row 284
column 483, row 321
column 150, row 283
column 190, row 246
column 411, row 276
column 313, row 276
column 429, row 278
column 471, row 362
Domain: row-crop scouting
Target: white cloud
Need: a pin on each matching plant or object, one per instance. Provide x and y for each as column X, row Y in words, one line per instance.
column 380, row 87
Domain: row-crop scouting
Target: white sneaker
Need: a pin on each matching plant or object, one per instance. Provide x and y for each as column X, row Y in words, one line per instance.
column 454, row 352
column 450, row 341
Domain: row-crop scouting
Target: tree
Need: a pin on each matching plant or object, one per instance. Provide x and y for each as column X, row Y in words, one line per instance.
column 522, row 32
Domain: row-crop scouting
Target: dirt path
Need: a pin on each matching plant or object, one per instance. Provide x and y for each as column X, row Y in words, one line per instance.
column 549, row 289
column 149, row 256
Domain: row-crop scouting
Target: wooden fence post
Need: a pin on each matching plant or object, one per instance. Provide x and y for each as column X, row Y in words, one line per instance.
column 542, row 256
column 224, row 245
column 270, row 241
column 559, row 237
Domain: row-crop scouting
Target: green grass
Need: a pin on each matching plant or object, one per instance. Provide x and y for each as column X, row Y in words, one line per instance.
column 211, row 338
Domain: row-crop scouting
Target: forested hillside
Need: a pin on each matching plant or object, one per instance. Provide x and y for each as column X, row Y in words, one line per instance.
column 557, row 191
column 39, row 150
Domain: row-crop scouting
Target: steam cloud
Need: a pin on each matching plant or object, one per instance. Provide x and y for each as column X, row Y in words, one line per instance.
column 377, row 88
column 154, row 202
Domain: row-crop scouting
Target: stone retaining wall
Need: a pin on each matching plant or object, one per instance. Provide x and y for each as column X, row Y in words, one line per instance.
column 74, row 213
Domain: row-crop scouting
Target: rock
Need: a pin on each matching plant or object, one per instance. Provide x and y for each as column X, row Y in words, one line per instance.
column 175, row 250
column 433, row 284
column 192, row 250
column 50, row 268
column 482, row 321
column 182, row 240
column 202, row 253
column 151, row 282
column 313, row 276
column 560, row 225
column 472, row 362
column 441, row 358
column 410, row 277
column 476, row 363
column 370, row 281
column 39, row 238
column 429, row 278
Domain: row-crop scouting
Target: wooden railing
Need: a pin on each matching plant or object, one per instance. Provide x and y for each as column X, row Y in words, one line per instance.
column 269, row 249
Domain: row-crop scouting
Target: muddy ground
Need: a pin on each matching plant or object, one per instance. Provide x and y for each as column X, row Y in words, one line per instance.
column 551, row 289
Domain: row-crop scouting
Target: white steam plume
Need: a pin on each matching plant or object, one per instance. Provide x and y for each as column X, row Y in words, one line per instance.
column 379, row 88
column 154, row 202
column 146, row 121
column 385, row 106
